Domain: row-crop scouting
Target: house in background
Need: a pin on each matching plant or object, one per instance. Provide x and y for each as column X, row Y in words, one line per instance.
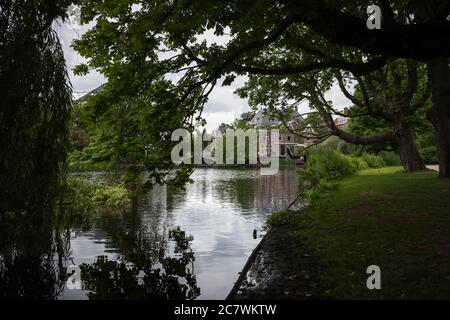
column 342, row 122
column 288, row 142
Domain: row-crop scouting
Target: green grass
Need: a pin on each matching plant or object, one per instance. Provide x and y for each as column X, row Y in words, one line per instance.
column 384, row 217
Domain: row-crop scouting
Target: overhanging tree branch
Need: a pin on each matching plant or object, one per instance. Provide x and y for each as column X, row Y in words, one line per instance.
column 357, row 69
column 420, row 41
column 360, row 140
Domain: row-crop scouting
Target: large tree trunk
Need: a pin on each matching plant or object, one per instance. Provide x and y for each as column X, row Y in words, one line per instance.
column 439, row 114
column 409, row 154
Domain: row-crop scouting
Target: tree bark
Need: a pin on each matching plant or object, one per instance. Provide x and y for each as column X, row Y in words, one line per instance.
column 355, row 139
column 409, row 154
column 439, row 114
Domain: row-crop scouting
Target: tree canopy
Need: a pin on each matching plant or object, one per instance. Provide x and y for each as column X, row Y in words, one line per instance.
column 171, row 54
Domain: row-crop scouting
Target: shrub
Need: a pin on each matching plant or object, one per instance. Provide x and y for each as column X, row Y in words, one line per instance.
column 81, row 161
column 374, row 161
column 320, row 191
column 91, row 196
column 429, row 154
column 358, row 163
column 390, row 158
column 280, row 218
column 327, row 164
column 111, row 196
column 426, row 143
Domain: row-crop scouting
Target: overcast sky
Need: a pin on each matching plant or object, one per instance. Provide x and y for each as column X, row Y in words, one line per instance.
column 223, row 105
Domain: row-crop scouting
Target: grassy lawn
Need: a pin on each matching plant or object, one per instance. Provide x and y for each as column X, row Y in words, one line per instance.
column 384, row 217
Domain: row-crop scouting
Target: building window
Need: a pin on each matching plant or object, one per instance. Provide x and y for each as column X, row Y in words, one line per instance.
column 289, row 138
column 341, row 121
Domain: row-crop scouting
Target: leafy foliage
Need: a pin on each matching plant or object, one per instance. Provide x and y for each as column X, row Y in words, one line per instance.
column 358, row 163
column 34, row 106
column 161, row 65
column 280, row 218
column 323, row 168
column 86, row 196
column 390, row 158
column 327, row 164
column 374, row 161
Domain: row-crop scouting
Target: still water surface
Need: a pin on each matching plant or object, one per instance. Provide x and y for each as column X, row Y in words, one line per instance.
column 185, row 244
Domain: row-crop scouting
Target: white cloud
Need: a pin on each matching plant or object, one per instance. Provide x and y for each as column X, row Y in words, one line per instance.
column 224, row 106
column 81, row 85
column 337, row 97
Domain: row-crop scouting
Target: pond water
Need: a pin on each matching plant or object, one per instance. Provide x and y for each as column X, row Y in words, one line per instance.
column 187, row 244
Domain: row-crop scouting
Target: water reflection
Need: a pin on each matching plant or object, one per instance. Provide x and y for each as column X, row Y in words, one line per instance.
column 36, row 262
column 33, row 257
column 173, row 278
column 249, row 191
column 168, row 245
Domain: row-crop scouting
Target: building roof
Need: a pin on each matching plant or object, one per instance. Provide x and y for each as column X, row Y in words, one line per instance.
column 91, row 93
column 262, row 120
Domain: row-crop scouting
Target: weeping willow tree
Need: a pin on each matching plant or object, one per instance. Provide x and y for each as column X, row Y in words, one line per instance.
column 35, row 100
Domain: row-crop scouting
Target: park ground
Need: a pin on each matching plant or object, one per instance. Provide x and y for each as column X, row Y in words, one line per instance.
column 385, row 217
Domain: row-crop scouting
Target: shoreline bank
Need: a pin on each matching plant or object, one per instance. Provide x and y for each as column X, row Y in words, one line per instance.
column 282, row 268
column 372, row 218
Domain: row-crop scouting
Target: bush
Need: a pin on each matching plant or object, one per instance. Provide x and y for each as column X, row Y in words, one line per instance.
column 336, row 143
column 358, row 163
column 111, row 196
column 327, row 164
column 374, row 161
column 429, row 154
column 280, row 218
column 390, row 158
column 91, row 196
column 81, row 161
column 426, row 143
column 321, row 190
